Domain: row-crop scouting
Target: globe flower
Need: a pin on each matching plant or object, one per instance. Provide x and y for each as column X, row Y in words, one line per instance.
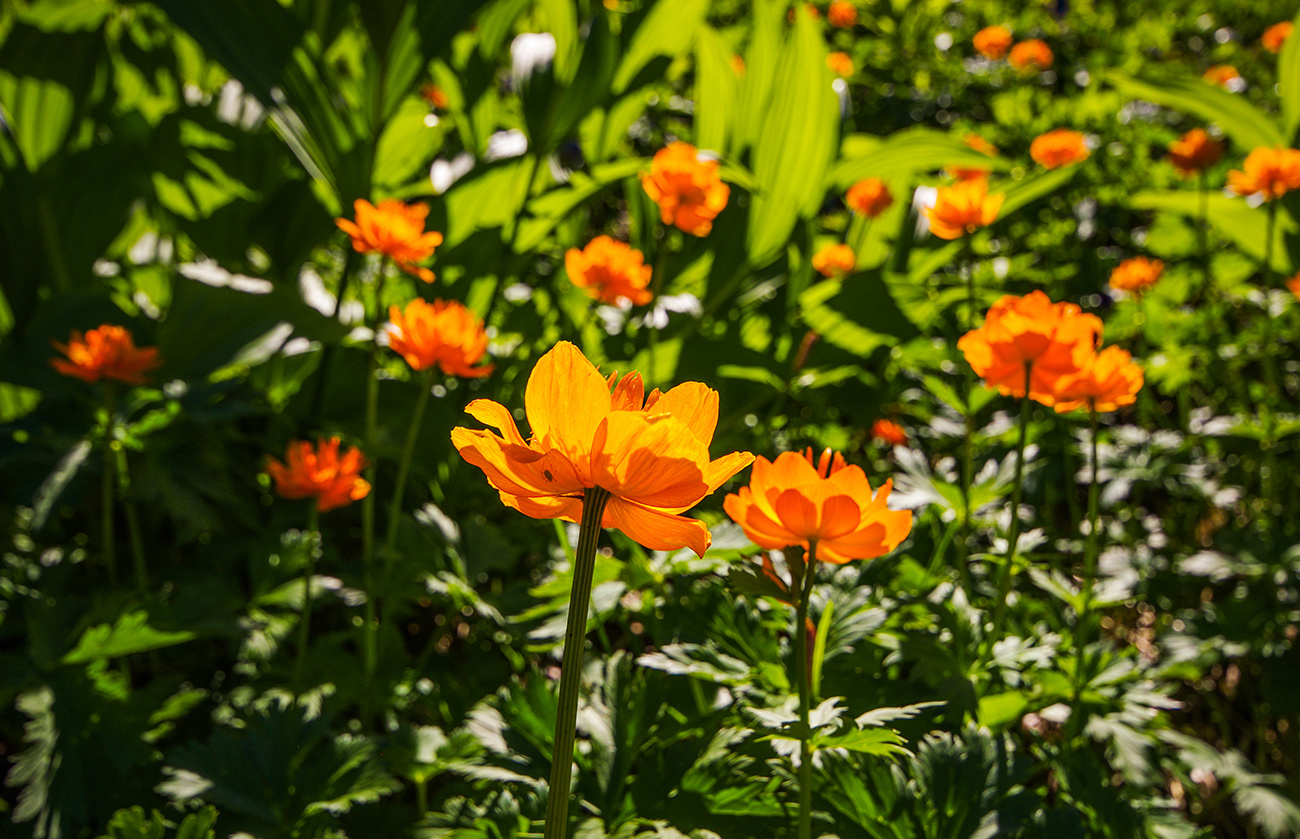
column 842, row 13
column 319, row 472
column 1194, row 152
column 888, row 432
column 108, row 352
column 1031, row 55
column 834, row 260
column 1050, row 340
column 610, row 271
column 1293, row 285
column 1275, row 36
column 651, row 454
column 794, row 501
column 962, row 208
column 1057, row 148
column 992, row 42
column 1272, row 172
column 434, row 96
column 443, row 332
column 869, row 197
column 737, row 65
column 686, row 187
column 1222, row 74
column 395, row 230
column 1136, row 274
column 840, row 64
column 1108, row 380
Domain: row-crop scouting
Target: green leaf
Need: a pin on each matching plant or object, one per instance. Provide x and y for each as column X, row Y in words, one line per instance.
column 857, row 314
column 1002, row 709
column 760, row 73
column 668, row 30
column 1033, row 187
column 881, row 742
column 1243, row 122
column 715, row 90
column 917, row 149
column 130, row 634
column 1233, row 217
column 1288, row 83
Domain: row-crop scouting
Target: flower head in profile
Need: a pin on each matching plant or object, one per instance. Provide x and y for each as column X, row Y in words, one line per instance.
column 1275, row 36
column 650, row 453
column 842, row 13
column 1136, row 274
column 395, row 230
column 869, row 197
column 686, row 187
column 796, row 500
column 1223, row 75
column 889, row 432
column 319, row 472
column 1194, row 152
column 1031, row 55
column 1051, row 339
column 1057, row 148
column 1271, row 172
column 992, row 42
column 610, row 271
column 834, row 260
column 841, row 64
column 963, row 208
column 108, row 352
column 1107, row 380
column 443, row 332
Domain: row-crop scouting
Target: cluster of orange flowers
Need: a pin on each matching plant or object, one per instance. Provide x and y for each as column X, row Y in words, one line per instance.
column 687, row 188
column 995, row 42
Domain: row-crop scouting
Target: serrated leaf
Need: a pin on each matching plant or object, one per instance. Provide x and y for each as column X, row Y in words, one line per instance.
column 130, row 634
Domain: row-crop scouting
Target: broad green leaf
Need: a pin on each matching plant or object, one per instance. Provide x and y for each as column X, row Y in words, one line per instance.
column 130, row 634
column 918, row 149
column 406, row 146
column 561, row 20
column 1233, row 217
column 1031, row 188
column 667, row 30
column 760, row 72
column 1002, row 709
column 546, row 211
column 857, row 314
column 1288, row 83
column 1243, row 122
column 715, row 90
column 881, row 742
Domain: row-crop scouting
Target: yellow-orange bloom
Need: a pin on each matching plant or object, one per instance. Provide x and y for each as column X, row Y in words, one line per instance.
column 1057, row 148
column 319, row 472
column 1293, row 285
column 842, row 13
column 610, row 271
column 840, row 64
column 790, row 501
column 686, row 187
column 108, row 352
column 650, row 454
column 435, row 96
column 1108, row 380
column 1031, row 55
column 1221, row 74
column 1194, row 152
column 1051, row 339
column 962, row 208
column 889, row 432
column 834, row 260
column 992, row 41
column 444, row 332
column 395, row 230
column 1275, row 36
column 737, row 65
column 1272, row 172
column 869, row 197
column 1136, row 274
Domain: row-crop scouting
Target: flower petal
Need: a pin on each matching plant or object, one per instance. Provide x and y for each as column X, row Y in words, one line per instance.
column 655, row 461
column 566, row 399
column 655, row 529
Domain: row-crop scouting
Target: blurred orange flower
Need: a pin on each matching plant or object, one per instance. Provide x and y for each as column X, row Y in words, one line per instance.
column 992, row 41
column 435, row 96
column 1057, row 148
column 1031, row 55
column 1273, row 172
column 794, row 501
column 319, row 472
column 1108, row 379
column 443, row 332
column 610, row 271
column 1194, row 152
column 834, row 260
column 1136, row 274
column 1051, row 339
column 1221, row 74
column 651, row 454
column 889, row 432
column 962, row 208
column 1275, row 36
column 1293, row 285
column 840, row 64
column 842, row 13
column 869, row 197
column 737, row 65
column 979, row 144
column 686, row 187
column 108, row 352
column 394, row 229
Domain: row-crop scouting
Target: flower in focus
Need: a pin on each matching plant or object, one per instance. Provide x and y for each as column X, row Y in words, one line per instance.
column 1275, row 36
column 992, row 41
column 610, row 271
column 686, row 187
column 1136, row 274
column 834, row 260
column 840, row 64
column 394, row 229
column 962, row 208
column 1031, row 55
column 443, row 332
column 1272, row 172
column 108, row 352
column 650, row 453
column 842, row 13
column 794, row 501
column 869, row 197
column 888, row 432
column 319, row 472
column 1222, row 74
column 1052, row 340
column 1194, row 152
column 1108, row 380
column 1057, row 148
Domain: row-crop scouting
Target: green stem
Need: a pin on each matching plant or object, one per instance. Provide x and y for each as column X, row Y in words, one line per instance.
column 370, row 630
column 304, row 623
column 1090, row 546
column 967, row 456
column 1268, row 481
column 805, row 692
column 1013, row 534
column 106, row 489
column 132, row 524
column 656, row 288
column 425, row 380
column 575, row 634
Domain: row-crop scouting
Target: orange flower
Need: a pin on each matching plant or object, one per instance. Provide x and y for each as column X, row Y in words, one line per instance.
column 1221, row 74
column 1194, row 152
column 963, row 207
column 992, row 41
column 737, row 65
column 108, row 352
column 791, row 501
column 1275, row 36
column 979, row 144
column 435, row 96
column 1051, row 339
column 834, row 260
column 1031, row 55
column 443, row 332
column 1293, row 285
column 842, row 13
column 1136, row 274
column 889, row 432
column 395, row 230
column 610, row 271
column 1060, row 147
column 840, row 64
column 320, row 473
column 1273, row 172
column 652, row 458
column 1108, row 380
column 869, row 197
column 686, row 187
